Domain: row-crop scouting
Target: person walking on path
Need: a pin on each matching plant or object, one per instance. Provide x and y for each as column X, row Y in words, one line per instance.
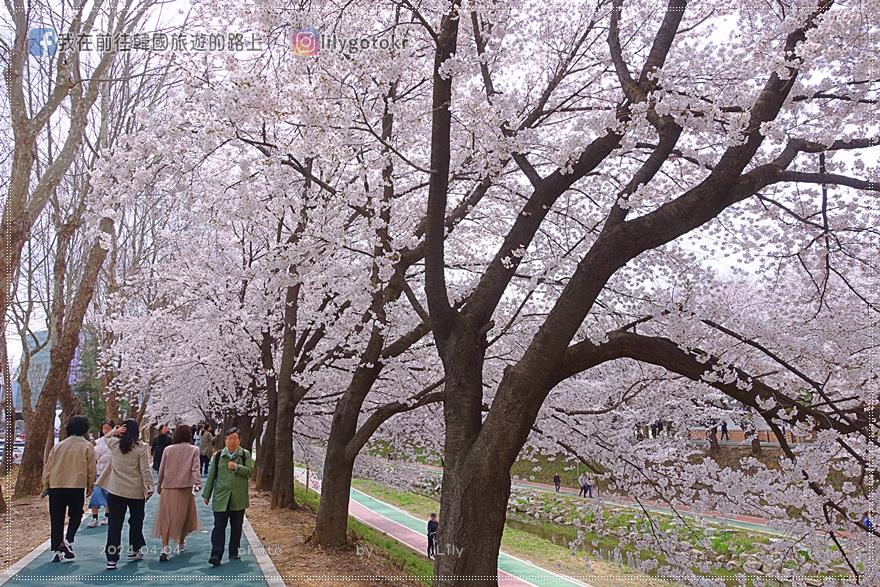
column 178, row 474
column 160, row 443
column 129, row 485
column 582, row 481
column 557, row 481
column 586, row 485
column 68, row 476
column 725, row 435
column 206, row 448
column 433, row 528
column 227, row 489
column 102, row 459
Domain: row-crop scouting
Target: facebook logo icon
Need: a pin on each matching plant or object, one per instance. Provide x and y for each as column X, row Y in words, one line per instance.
column 42, row 42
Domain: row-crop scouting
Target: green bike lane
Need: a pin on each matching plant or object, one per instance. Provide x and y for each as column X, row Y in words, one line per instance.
column 188, row 567
column 411, row 531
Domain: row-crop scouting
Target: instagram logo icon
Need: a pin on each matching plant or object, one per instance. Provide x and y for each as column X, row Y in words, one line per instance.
column 306, row 42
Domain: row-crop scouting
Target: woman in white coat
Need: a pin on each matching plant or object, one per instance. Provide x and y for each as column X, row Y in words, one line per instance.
column 102, row 458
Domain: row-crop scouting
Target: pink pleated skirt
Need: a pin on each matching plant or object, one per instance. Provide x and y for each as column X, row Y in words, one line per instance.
column 177, row 515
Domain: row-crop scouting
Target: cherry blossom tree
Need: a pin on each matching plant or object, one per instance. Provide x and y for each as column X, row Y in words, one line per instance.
column 658, row 160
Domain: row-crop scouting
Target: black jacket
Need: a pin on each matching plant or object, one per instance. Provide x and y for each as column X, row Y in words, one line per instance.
column 159, row 443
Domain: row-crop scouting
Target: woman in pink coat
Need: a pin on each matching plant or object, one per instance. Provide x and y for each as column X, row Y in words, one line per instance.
column 178, row 474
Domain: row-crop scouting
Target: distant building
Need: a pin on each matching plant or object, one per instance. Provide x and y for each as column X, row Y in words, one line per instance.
column 38, row 369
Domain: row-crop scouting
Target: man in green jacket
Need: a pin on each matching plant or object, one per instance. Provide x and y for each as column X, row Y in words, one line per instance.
column 228, row 484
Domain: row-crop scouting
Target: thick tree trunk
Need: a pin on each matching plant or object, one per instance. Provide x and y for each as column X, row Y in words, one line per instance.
column 289, row 395
column 266, row 460
column 245, row 424
column 476, row 484
column 332, row 522
column 282, row 480
column 473, row 508
column 31, row 470
column 331, row 525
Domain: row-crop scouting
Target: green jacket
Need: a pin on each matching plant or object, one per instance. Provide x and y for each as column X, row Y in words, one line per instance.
column 228, row 487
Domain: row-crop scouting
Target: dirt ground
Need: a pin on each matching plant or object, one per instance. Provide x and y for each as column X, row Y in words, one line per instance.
column 284, row 534
column 24, row 526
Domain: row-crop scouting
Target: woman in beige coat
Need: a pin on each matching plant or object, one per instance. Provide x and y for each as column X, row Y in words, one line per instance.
column 178, row 474
column 129, row 485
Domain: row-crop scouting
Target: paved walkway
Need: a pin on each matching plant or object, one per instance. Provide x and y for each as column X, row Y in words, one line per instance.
column 410, row 531
column 189, row 568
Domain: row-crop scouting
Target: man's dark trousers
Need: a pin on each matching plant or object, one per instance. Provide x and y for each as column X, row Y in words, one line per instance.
column 65, row 501
column 218, row 534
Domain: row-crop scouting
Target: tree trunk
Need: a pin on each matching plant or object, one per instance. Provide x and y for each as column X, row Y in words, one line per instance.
column 266, row 459
column 473, row 509
column 289, row 394
column 111, row 401
column 2, row 501
column 141, row 410
column 332, row 522
column 258, row 433
column 15, row 222
column 714, row 447
column 476, row 483
column 756, row 446
column 282, row 480
column 31, row 470
column 60, row 356
column 9, row 409
column 331, row 525
column 70, row 406
column 245, row 425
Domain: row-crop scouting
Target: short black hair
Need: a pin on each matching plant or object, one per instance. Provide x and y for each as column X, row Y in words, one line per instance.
column 233, row 430
column 77, row 426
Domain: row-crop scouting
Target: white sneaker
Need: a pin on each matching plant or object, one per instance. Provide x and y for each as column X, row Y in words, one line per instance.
column 58, row 557
column 93, row 523
column 111, row 565
column 136, row 555
column 67, row 550
column 105, row 520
